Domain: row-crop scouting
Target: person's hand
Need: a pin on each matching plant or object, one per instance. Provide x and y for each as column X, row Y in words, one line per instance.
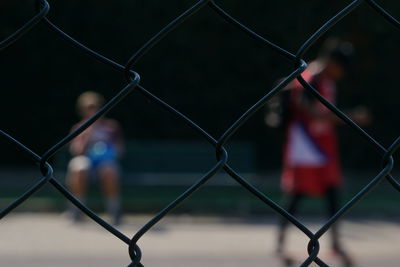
column 361, row 116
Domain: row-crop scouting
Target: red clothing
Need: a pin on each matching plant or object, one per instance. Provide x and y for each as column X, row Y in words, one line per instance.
column 311, row 158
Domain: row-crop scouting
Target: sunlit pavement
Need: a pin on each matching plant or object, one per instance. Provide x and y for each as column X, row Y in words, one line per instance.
column 37, row 239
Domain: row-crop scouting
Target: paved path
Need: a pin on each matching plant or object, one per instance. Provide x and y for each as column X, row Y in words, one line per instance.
column 43, row 240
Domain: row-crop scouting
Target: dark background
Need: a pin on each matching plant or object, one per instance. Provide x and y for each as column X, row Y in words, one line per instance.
column 206, row 68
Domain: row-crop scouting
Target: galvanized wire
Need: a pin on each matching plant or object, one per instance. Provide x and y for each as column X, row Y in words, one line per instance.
column 133, row 83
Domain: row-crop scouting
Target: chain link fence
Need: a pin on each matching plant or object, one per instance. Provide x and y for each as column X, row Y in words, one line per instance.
column 221, row 161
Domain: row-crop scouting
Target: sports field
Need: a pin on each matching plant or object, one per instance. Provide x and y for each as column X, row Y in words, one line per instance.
column 42, row 239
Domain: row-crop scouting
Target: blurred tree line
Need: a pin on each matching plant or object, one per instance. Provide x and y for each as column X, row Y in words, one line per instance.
column 206, row 68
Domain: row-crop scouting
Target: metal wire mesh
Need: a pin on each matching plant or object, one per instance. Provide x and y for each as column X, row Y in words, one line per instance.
column 133, row 83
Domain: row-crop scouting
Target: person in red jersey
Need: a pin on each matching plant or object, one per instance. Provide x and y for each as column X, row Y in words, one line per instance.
column 311, row 165
column 95, row 153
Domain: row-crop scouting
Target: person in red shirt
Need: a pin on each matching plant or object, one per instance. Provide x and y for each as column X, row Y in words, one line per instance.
column 95, row 153
column 311, row 165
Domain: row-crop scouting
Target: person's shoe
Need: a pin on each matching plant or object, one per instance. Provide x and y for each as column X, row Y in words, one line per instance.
column 344, row 256
column 75, row 215
column 285, row 258
column 117, row 218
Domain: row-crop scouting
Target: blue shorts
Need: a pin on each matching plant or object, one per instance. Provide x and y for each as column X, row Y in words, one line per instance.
column 101, row 153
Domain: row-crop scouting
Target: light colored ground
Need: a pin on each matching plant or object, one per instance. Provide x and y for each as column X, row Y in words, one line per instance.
column 43, row 240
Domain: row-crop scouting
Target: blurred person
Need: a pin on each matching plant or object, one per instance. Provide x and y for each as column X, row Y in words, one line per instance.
column 95, row 154
column 311, row 165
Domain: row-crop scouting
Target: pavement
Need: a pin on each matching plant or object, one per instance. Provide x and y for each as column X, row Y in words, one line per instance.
column 45, row 239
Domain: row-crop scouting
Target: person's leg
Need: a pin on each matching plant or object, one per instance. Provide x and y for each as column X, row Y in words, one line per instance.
column 77, row 175
column 110, row 184
column 77, row 183
column 333, row 204
column 292, row 203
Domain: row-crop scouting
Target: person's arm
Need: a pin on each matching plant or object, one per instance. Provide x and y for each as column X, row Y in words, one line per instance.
column 120, row 143
column 314, row 108
column 79, row 144
column 118, row 137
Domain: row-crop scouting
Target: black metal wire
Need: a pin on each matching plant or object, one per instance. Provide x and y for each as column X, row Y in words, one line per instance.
column 133, row 83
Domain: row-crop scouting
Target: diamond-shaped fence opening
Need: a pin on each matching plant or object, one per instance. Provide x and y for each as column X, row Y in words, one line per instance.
column 216, row 142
